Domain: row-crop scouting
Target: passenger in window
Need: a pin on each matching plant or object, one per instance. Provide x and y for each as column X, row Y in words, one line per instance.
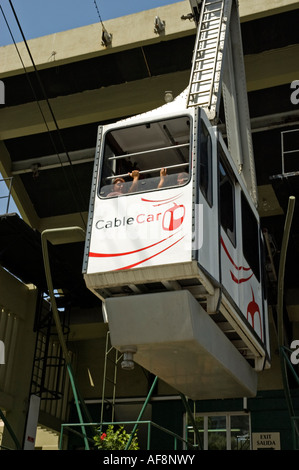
column 118, row 187
column 163, row 174
column 135, row 176
column 119, row 184
column 182, row 178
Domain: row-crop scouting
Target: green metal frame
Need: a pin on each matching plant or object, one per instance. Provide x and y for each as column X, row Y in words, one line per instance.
column 10, row 430
column 141, row 412
column 287, row 365
column 149, row 424
column 137, row 423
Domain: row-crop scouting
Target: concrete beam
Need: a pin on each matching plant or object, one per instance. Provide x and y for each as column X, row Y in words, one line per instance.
column 91, row 106
column 255, row 9
column 18, row 193
column 83, row 43
column 127, row 32
column 262, row 71
column 265, row 70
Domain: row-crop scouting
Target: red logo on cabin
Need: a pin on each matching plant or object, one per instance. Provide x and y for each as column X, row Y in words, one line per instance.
column 173, row 217
column 253, row 309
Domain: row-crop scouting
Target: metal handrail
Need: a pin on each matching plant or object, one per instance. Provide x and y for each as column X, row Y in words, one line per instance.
column 134, row 154
column 141, row 172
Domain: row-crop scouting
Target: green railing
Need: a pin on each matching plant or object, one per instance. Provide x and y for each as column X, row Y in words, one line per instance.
column 10, row 430
column 286, row 365
column 149, row 424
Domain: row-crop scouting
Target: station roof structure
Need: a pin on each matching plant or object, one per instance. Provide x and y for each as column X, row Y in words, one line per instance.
column 71, row 82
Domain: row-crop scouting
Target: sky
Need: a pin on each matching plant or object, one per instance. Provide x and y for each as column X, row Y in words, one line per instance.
column 41, row 17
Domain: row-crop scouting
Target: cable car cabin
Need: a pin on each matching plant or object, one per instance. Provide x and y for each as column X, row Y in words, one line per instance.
column 190, row 227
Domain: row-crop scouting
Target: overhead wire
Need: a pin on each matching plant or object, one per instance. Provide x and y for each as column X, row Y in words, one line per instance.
column 106, row 37
column 98, row 12
column 50, row 109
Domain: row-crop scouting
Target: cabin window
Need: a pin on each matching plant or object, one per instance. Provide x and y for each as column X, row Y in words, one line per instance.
column 250, row 234
column 205, row 171
column 143, row 151
column 227, row 202
column 263, row 265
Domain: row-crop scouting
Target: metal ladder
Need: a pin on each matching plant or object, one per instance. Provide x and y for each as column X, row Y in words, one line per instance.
column 49, row 371
column 205, row 78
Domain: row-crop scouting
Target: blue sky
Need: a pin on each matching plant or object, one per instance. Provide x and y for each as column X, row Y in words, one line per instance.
column 41, row 17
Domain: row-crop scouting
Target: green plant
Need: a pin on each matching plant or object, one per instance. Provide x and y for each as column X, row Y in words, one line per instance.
column 114, row 440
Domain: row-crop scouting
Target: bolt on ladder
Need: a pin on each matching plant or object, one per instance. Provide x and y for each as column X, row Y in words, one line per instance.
column 113, row 356
column 205, row 78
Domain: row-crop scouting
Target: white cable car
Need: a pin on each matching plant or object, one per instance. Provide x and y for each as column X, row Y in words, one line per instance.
column 173, row 241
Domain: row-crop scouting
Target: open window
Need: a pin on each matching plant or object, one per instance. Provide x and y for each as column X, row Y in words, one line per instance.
column 227, row 201
column 205, row 171
column 147, row 148
column 250, row 234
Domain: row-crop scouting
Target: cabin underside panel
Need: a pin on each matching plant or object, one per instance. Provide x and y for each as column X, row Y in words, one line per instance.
column 183, row 277
column 173, row 337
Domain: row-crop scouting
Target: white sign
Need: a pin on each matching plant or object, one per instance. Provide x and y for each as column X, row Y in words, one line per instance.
column 143, row 230
column 266, row 441
column 32, row 422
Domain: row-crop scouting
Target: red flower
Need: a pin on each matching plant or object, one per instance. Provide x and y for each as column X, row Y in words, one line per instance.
column 103, row 436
